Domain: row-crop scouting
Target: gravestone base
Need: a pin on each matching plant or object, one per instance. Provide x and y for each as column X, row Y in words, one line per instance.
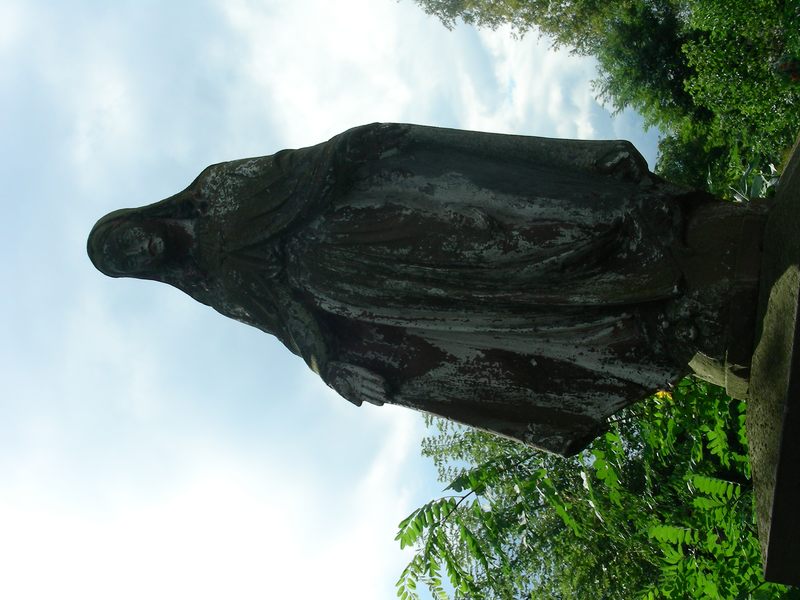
column 773, row 413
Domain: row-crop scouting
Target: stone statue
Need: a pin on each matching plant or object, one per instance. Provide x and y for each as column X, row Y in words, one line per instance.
column 527, row 286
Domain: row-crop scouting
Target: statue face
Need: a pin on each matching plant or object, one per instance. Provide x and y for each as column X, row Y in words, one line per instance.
column 134, row 248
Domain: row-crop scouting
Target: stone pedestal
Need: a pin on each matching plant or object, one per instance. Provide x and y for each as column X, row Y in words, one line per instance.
column 773, row 414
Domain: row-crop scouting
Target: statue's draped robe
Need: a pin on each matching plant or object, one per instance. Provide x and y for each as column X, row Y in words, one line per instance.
column 512, row 283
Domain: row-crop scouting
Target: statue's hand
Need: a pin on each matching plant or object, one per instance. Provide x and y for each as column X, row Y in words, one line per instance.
column 356, row 384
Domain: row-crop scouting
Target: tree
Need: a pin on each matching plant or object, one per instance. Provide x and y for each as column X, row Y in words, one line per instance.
column 755, row 110
column 578, row 24
column 659, row 507
column 642, row 65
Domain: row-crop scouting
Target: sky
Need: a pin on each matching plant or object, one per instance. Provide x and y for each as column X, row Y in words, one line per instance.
column 150, row 448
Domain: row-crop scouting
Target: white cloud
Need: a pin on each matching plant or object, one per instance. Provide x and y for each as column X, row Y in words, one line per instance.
column 221, row 534
column 582, row 121
column 80, row 76
column 369, row 558
column 115, row 355
column 532, row 78
column 117, row 489
column 106, row 120
column 321, row 66
column 14, row 24
column 229, row 527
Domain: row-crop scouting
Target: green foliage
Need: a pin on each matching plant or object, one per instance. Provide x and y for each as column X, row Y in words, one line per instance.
column 642, row 65
column 703, row 71
column 754, row 110
column 572, row 23
column 661, row 506
column 755, row 183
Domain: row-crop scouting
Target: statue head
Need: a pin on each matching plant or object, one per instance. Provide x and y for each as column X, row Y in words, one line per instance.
column 158, row 241
column 127, row 244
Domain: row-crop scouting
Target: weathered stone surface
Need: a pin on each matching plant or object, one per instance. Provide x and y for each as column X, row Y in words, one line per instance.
column 528, row 286
column 773, row 411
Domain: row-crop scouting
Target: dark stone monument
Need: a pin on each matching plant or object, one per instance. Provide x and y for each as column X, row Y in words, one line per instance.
column 527, row 286
column 773, row 409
